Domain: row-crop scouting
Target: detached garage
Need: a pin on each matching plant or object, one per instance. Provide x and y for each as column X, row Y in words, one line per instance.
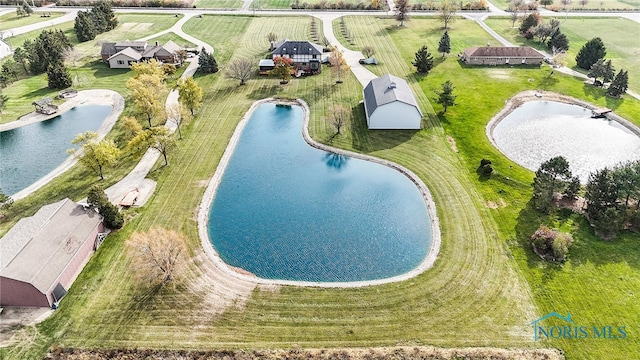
column 41, row 256
column 389, row 103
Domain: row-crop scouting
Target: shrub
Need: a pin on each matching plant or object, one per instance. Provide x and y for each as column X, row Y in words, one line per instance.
column 550, row 244
column 487, row 169
column 112, row 217
column 484, row 162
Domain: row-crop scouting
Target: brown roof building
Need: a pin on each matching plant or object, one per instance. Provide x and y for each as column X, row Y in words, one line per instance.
column 41, row 256
column 490, row 55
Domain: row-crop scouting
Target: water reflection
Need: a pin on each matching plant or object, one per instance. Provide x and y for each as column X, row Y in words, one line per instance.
column 540, row 130
column 335, row 161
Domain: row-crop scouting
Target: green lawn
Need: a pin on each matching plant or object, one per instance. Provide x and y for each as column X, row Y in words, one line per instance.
column 218, row 4
column 286, row 4
column 483, row 290
column 11, row 20
column 589, row 5
column 162, row 39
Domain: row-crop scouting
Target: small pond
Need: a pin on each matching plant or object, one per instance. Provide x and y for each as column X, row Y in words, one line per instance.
column 32, row 151
column 539, row 130
column 285, row 210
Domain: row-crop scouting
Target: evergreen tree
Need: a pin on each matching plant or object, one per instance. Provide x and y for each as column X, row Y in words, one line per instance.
column 3, row 101
column 26, row 8
column 609, row 72
column 20, row 56
column 529, row 22
column 446, row 97
column 104, row 19
column 58, row 76
column 619, row 85
column 48, row 48
column 558, row 42
column 552, row 177
column 444, row 46
column 591, row 52
column 423, row 61
column 207, row 62
column 597, row 70
column 84, row 27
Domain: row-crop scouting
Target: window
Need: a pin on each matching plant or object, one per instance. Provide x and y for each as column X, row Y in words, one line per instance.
column 120, row 62
column 314, row 56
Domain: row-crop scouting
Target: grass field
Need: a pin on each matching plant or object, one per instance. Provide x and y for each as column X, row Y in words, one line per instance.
column 11, row 20
column 162, row 39
column 483, row 290
column 218, row 4
column 589, row 5
column 622, row 50
column 286, row 4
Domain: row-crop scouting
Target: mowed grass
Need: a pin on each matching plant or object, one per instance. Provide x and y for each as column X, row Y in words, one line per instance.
column 88, row 72
column 599, row 283
column 286, row 4
column 11, row 20
column 590, row 5
column 218, row 4
column 162, row 39
column 472, row 286
column 623, row 49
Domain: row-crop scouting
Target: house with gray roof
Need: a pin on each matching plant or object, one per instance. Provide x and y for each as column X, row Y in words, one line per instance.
column 492, row 55
column 41, row 255
column 306, row 55
column 122, row 53
column 389, row 103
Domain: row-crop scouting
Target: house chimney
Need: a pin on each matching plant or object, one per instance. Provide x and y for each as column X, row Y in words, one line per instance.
column 157, row 43
column 392, row 85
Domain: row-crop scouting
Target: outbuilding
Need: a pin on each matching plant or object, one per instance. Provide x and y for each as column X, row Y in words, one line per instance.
column 389, row 103
column 42, row 255
column 490, row 55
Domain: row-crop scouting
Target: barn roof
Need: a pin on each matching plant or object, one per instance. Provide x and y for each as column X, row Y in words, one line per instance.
column 387, row 89
column 39, row 248
column 290, row 47
column 513, row 51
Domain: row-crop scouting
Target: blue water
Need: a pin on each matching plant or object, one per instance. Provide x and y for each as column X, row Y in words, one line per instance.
column 285, row 210
column 30, row 152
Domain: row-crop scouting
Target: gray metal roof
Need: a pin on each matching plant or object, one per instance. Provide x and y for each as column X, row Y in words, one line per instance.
column 387, row 89
column 290, row 47
column 108, row 48
column 501, row 51
column 38, row 249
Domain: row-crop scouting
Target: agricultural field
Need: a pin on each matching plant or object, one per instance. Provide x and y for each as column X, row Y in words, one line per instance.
column 11, row 20
column 486, row 286
column 623, row 50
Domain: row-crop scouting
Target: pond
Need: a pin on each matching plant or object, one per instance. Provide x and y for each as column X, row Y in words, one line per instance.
column 539, row 130
column 32, row 151
column 285, row 210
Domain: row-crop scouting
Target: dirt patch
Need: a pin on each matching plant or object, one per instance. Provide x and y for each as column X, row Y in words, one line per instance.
column 496, row 205
column 498, row 74
column 14, row 322
column 135, row 26
column 452, row 143
column 422, row 352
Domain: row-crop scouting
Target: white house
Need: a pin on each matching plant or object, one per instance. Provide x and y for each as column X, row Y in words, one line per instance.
column 5, row 49
column 389, row 103
column 124, row 58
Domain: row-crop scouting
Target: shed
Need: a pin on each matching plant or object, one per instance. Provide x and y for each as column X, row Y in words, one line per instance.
column 389, row 103
column 45, row 106
column 266, row 65
column 41, row 256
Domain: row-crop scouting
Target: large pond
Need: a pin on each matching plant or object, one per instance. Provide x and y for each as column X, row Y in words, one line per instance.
column 539, row 130
column 32, row 151
column 285, row 210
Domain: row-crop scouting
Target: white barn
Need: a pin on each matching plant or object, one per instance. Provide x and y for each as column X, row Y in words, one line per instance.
column 389, row 103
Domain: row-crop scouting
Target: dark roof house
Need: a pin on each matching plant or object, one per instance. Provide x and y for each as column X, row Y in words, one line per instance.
column 121, row 54
column 389, row 103
column 41, row 256
column 491, row 55
column 306, row 55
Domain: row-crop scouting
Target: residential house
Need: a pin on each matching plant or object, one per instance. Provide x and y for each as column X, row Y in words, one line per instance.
column 121, row 54
column 41, row 255
column 491, row 55
column 306, row 56
column 389, row 103
column 5, row 49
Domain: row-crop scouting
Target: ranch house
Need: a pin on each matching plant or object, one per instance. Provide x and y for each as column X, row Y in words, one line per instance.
column 490, row 55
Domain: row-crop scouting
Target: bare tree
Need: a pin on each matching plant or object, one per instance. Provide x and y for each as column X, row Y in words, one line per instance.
column 338, row 117
column 157, row 255
column 71, row 56
column 514, row 15
column 240, row 69
column 583, row 3
column 338, row 63
column 368, row 51
column 447, row 13
column 272, row 38
column 179, row 115
column 402, row 11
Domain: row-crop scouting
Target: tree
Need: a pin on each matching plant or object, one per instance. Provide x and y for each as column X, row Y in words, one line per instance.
column 338, row 117
column 444, row 46
column 423, row 60
column 112, row 217
column 446, row 97
column 157, row 255
column 609, row 72
column 45, row 50
column 619, row 84
column 190, row 93
column 146, row 91
column 131, row 126
column 179, row 115
column 583, row 3
column 543, row 32
column 5, row 201
column 402, row 11
column 591, row 52
column 598, row 69
column 447, row 14
column 71, row 56
column 152, row 67
column 103, row 17
column 529, row 22
column 85, row 30
column 3, row 101
column 272, row 38
column 21, row 57
column 367, row 51
column 545, row 3
column 20, row 12
column 240, row 69
column 552, row 177
column 514, row 15
column 93, row 154
column 11, row 69
column 338, row 63
column 207, row 62
column 282, row 69
column 558, row 42
column 602, row 194
column 27, row 9
column 573, row 188
column 158, row 138
column 58, row 76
